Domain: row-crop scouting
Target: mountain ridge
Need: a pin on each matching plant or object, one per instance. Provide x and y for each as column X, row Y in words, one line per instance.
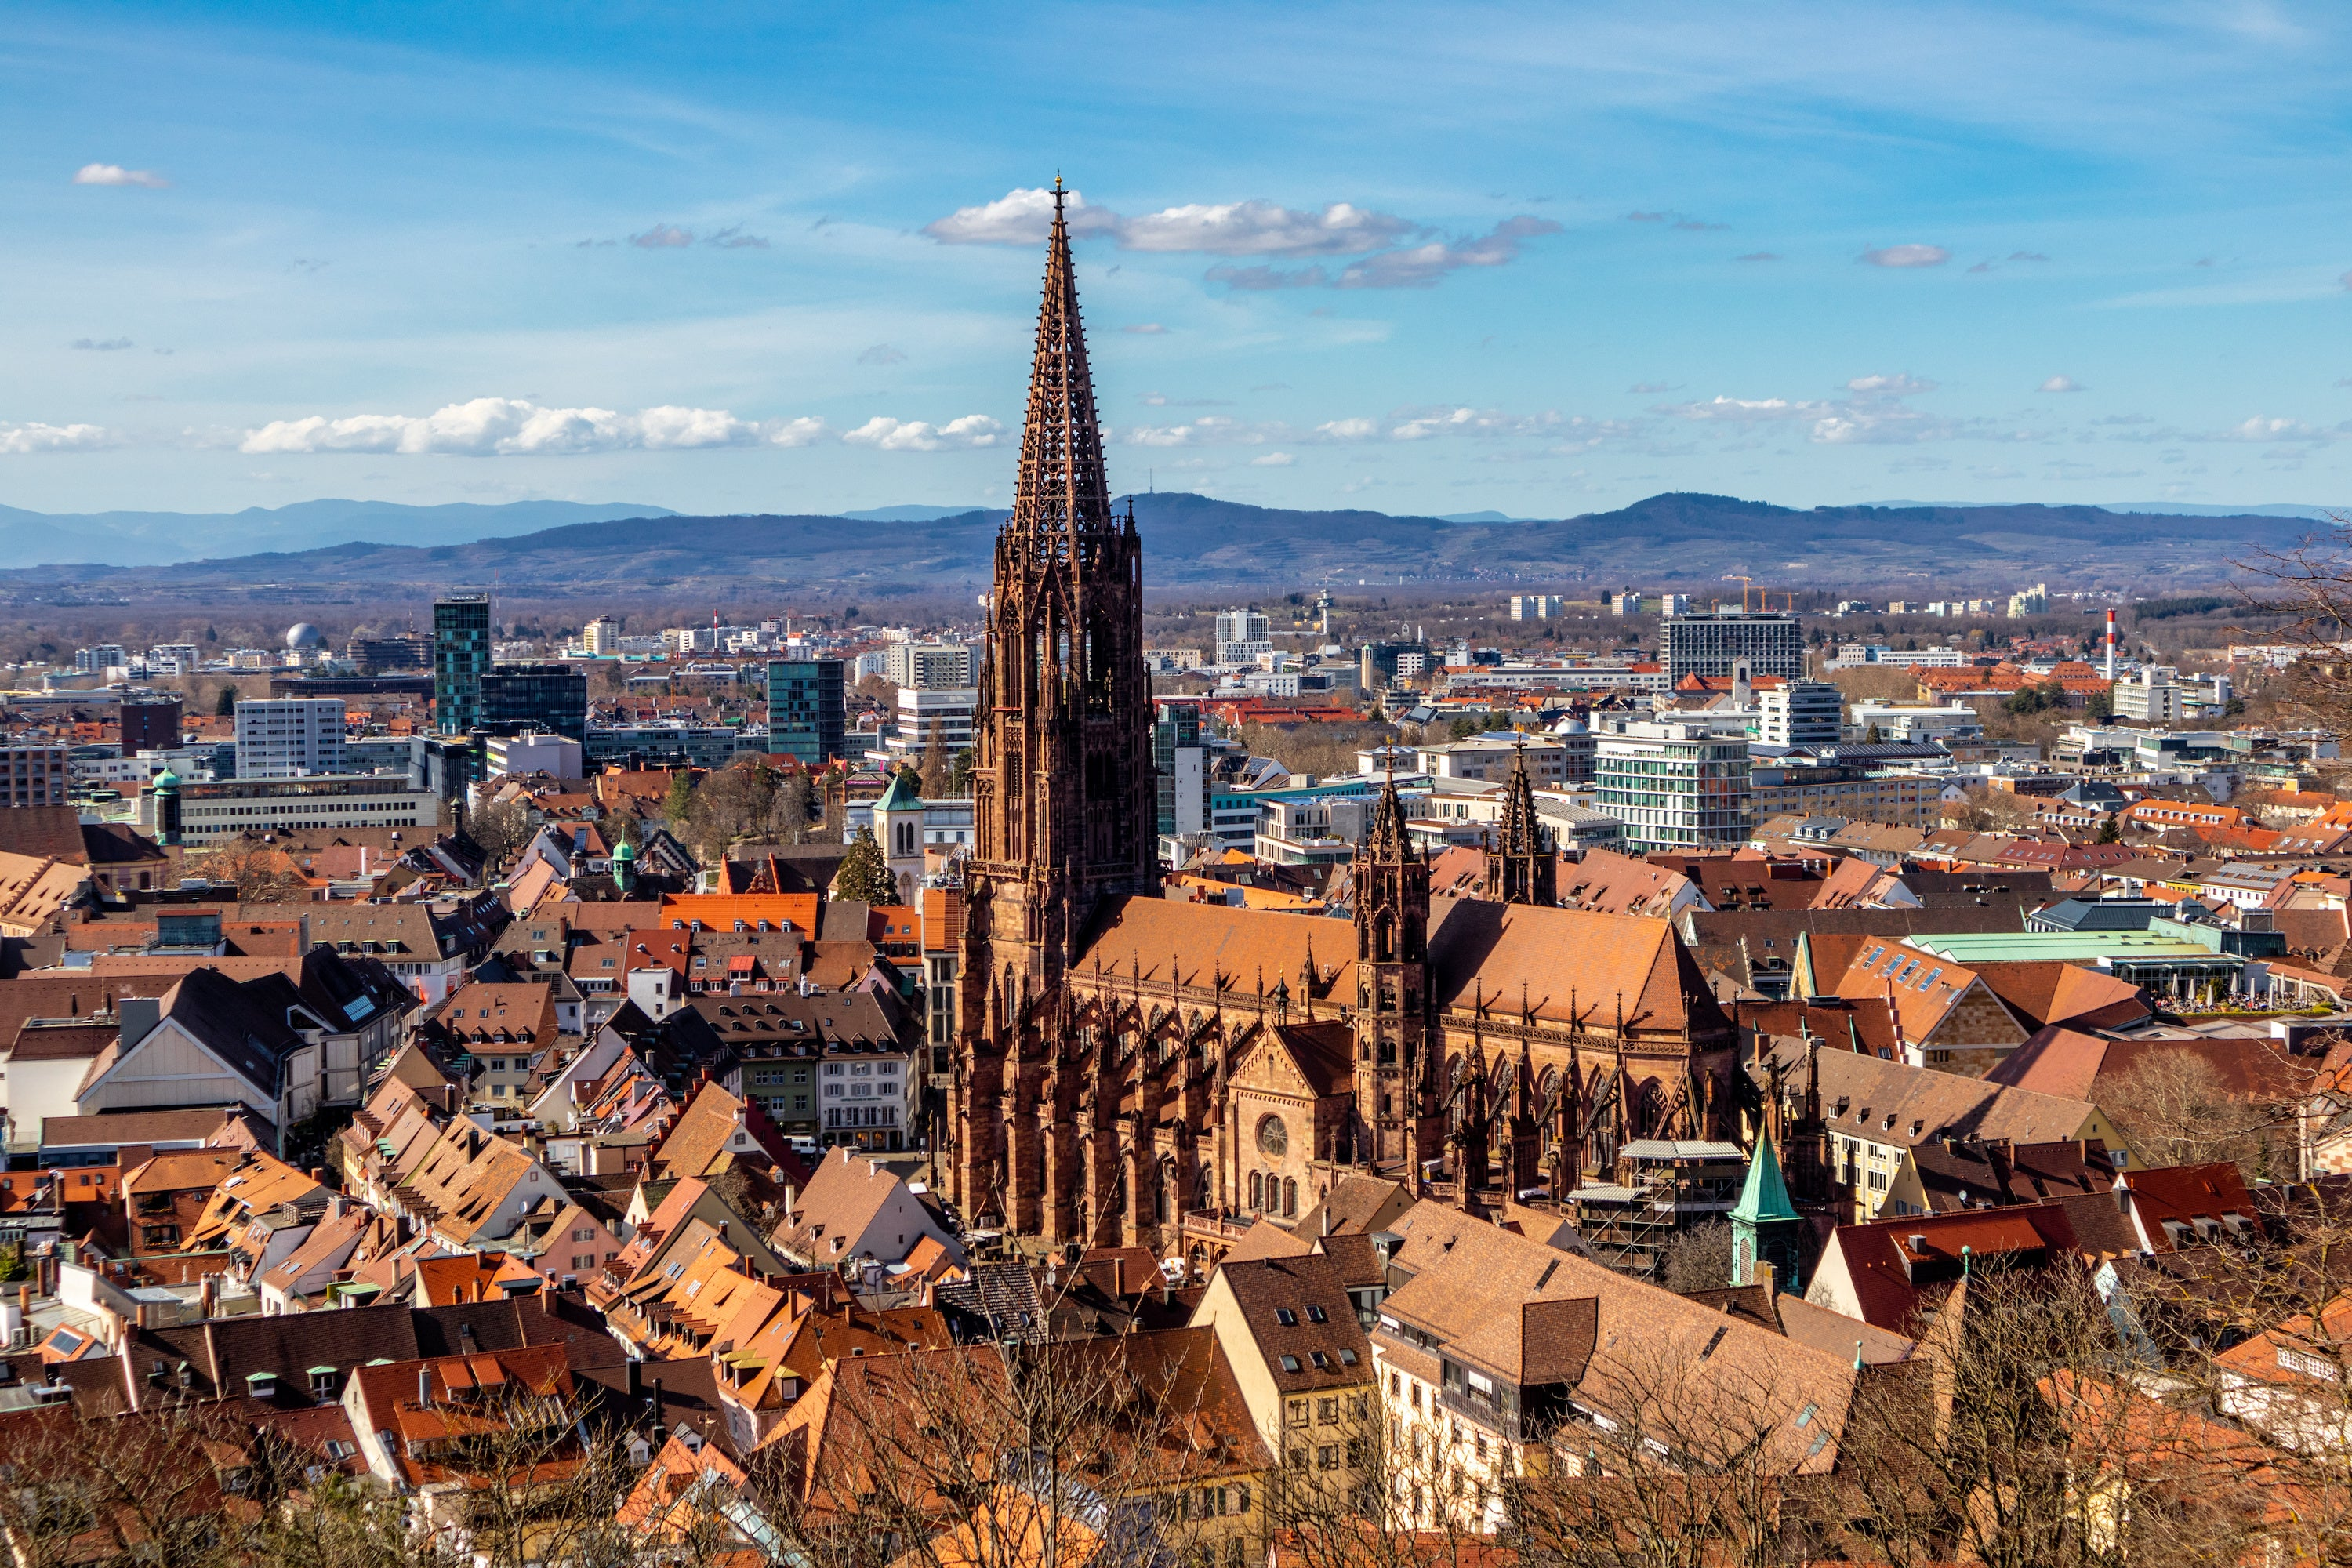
column 163, row 538
column 1197, row 542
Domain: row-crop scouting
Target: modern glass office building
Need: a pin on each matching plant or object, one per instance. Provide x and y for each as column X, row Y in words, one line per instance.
column 461, row 657
column 805, row 712
column 547, row 698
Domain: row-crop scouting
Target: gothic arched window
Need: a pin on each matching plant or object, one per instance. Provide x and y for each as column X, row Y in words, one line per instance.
column 1290, row 1199
column 1257, row 1192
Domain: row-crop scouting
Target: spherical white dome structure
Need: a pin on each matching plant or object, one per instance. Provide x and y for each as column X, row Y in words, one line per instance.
column 305, row 634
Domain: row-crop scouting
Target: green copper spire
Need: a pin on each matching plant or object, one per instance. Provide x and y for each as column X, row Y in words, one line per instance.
column 1766, row 1226
column 1766, row 1196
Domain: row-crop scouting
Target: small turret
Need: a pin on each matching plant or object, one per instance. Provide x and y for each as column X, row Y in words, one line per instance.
column 167, row 806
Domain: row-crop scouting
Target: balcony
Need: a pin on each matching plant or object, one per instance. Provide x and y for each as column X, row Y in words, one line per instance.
column 1208, row 1226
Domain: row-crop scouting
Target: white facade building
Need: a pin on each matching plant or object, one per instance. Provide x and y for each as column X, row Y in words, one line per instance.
column 289, row 737
column 1799, row 713
column 1674, row 785
column 1241, row 635
column 866, row 1098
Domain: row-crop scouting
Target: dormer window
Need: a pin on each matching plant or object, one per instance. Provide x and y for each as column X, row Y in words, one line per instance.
column 1285, row 1317
column 1314, row 1313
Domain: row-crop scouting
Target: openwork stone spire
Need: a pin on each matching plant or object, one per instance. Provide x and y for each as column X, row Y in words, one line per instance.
column 1062, row 488
column 1520, row 866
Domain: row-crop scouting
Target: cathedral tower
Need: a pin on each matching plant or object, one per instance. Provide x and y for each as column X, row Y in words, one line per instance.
column 1064, row 806
column 1399, row 1119
column 1520, row 866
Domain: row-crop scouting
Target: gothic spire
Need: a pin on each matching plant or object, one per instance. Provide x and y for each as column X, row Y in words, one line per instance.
column 1387, row 840
column 1520, row 833
column 1520, row 866
column 1062, row 488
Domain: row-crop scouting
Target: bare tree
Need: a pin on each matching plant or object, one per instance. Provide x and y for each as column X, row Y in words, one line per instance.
column 2176, row 1109
column 2309, row 587
column 789, row 808
column 934, row 771
column 501, row 830
column 1017, row 1456
column 261, row 873
column 1699, row 1259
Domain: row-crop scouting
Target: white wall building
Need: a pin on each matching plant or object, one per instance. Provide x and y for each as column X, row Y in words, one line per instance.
column 865, row 1100
column 1674, row 785
column 1799, row 713
column 289, row 737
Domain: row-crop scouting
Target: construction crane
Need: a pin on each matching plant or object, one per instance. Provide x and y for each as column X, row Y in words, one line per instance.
column 1763, row 596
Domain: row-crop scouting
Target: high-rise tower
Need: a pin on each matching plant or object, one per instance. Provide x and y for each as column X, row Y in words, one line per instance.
column 1064, row 806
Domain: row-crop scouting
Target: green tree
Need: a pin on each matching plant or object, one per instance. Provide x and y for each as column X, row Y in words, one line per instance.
column 865, row 877
column 960, row 774
column 2102, row 708
column 225, row 705
column 2111, row 831
column 680, row 803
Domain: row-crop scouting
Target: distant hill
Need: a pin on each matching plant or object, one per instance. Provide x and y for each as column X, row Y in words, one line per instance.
column 159, row 538
column 1197, row 543
column 907, row 513
column 2170, row 509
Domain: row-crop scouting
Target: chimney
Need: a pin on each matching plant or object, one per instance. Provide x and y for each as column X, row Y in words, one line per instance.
column 138, row 1017
column 425, row 1386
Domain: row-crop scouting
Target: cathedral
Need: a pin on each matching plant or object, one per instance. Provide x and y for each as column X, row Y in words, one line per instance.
column 1134, row 1071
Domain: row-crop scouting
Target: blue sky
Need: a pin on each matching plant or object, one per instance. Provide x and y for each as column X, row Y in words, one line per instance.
column 1541, row 260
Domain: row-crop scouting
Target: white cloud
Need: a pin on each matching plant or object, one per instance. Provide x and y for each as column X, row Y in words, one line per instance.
column 2060, row 384
column 1348, row 429
column 1146, row 330
column 1263, row 229
column 882, row 353
column 805, row 431
column 103, row 345
column 662, row 237
column 1019, row 218
column 510, row 426
column 1907, row 256
column 1273, row 460
column 116, row 174
column 1888, row 385
column 1224, row 228
column 917, row 436
column 2262, row 429
column 1423, row 265
column 1747, row 410
column 1253, row 229
column 1209, row 429
column 1883, row 424
column 18, row 439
